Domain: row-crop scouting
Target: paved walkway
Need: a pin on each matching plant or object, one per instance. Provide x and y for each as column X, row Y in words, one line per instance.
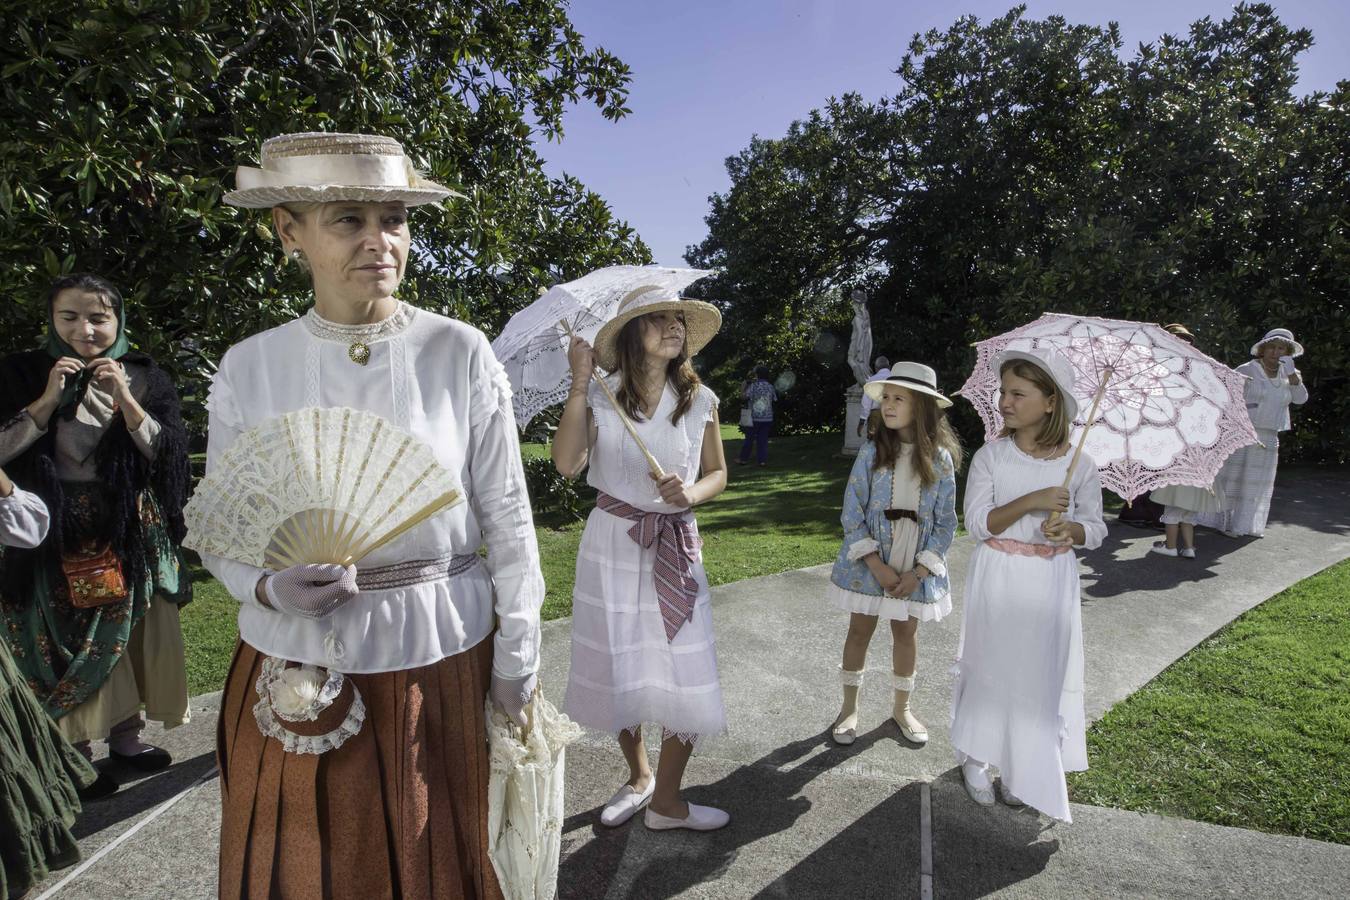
column 879, row 819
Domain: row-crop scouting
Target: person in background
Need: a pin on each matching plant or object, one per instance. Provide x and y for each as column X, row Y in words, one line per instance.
column 1247, row 479
column 95, row 429
column 43, row 774
column 881, row 370
column 760, row 396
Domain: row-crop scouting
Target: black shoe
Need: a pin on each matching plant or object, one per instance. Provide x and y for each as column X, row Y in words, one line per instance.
column 104, row 786
column 151, row 760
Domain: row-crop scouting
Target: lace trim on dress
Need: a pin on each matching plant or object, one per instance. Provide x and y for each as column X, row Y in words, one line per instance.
column 684, row 737
column 301, row 697
column 392, row 325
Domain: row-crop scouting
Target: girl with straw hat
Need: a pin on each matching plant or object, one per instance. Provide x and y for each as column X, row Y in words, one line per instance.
column 394, row 802
column 642, row 633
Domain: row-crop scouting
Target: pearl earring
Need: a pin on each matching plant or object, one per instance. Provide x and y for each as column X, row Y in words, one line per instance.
column 297, row 254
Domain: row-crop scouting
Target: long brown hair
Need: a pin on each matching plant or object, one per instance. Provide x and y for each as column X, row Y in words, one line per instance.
column 932, row 432
column 679, row 372
column 1054, row 431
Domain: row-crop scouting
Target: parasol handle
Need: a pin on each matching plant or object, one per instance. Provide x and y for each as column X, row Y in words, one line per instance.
column 657, row 471
column 1082, row 439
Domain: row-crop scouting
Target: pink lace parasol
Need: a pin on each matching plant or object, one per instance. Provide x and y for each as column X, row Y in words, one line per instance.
column 1169, row 414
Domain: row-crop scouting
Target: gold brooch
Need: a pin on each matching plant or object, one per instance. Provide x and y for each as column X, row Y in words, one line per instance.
column 359, row 353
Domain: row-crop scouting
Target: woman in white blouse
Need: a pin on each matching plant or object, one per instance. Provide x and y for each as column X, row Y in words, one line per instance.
column 1248, row 477
column 427, row 629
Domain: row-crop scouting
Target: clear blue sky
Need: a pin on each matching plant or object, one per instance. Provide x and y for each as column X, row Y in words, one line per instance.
column 707, row 75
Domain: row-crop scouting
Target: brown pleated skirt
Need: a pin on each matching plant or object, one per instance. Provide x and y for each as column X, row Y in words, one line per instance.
column 398, row 811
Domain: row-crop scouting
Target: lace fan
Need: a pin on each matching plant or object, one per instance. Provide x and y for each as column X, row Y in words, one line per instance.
column 319, row 485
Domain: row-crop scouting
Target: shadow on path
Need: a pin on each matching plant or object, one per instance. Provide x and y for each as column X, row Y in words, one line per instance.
column 764, row 799
column 135, row 797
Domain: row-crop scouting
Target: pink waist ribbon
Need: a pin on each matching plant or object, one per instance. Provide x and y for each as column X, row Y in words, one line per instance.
column 1026, row 548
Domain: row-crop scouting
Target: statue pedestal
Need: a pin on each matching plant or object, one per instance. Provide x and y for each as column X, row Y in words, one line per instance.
column 852, row 440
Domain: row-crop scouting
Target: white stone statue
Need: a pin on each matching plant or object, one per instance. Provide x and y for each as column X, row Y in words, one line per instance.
column 860, row 345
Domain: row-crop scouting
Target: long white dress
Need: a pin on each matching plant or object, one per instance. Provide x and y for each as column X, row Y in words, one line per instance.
column 1247, row 478
column 624, row 671
column 1018, row 699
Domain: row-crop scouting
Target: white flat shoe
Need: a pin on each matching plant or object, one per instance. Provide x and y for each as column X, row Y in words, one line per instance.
column 843, row 736
column 625, row 802
column 1162, row 549
column 915, row 735
column 982, row 794
column 700, row 818
column 1187, row 552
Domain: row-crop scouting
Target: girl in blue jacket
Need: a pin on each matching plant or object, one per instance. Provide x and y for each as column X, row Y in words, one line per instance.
column 899, row 518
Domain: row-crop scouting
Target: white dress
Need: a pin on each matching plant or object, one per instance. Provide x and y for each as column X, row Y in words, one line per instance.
column 1247, row 478
column 624, row 671
column 437, row 379
column 1018, row 699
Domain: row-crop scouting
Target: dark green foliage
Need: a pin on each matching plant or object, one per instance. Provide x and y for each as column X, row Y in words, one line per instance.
column 1027, row 166
column 123, row 122
column 556, row 500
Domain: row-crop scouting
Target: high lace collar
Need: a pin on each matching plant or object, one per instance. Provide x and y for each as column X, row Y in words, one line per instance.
column 367, row 333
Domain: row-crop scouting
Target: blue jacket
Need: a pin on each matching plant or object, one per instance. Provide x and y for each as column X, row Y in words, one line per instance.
column 866, row 499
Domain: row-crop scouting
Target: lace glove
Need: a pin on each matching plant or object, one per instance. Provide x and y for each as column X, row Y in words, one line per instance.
column 313, row 591
column 511, row 695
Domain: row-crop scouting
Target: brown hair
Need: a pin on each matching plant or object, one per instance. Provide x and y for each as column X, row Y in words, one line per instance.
column 1055, row 427
column 932, row 432
column 629, row 350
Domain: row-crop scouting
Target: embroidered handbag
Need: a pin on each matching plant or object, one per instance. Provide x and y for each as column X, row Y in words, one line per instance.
column 747, row 421
column 94, row 579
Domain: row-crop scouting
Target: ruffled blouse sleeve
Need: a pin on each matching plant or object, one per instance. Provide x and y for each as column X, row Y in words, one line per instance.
column 502, row 506
column 225, row 423
column 23, row 519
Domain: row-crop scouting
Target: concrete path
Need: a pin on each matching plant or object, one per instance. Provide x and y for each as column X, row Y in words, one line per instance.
column 881, row 818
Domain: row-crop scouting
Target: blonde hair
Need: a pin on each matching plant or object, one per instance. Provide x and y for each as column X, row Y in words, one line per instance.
column 932, row 432
column 1054, row 431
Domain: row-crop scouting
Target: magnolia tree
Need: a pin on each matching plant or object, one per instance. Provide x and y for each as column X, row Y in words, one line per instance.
column 1025, row 166
column 124, row 119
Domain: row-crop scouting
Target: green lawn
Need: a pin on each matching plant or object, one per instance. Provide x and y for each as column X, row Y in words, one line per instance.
column 781, row 517
column 1251, row 728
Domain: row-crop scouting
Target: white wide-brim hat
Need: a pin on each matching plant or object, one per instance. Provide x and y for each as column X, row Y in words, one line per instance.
column 701, row 321
column 910, row 375
column 1054, row 364
column 324, row 167
column 1279, row 334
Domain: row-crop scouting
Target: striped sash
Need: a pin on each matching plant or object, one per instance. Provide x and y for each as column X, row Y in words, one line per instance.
column 677, row 547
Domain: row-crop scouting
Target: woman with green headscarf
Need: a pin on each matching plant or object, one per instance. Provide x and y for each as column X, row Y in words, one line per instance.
column 91, row 614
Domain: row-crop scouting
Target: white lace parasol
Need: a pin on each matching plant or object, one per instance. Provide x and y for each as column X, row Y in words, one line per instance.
column 319, row 485
column 533, row 345
column 1169, row 414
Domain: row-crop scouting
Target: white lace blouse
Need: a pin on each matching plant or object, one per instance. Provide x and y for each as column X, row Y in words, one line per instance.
column 437, row 379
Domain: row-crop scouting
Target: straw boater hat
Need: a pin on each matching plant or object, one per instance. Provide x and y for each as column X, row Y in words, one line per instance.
column 911, row 375
column 1279, row 334
column 701, row 321
column 1054, row 363
column 322, row 167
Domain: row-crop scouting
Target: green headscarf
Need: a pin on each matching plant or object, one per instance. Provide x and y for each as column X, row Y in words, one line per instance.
column 74, row 390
